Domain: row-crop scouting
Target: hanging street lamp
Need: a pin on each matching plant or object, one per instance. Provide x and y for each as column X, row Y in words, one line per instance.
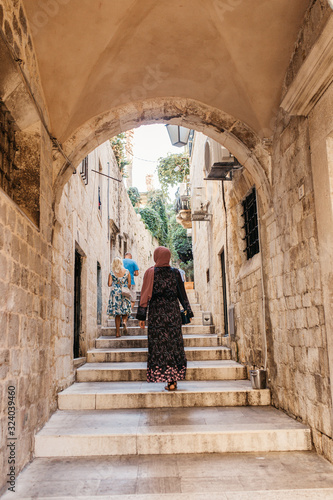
column 178, row 135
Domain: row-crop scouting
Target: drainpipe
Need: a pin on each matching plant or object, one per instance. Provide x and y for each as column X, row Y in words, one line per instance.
column 108, row 201
column 226, row 244
column 262, row 290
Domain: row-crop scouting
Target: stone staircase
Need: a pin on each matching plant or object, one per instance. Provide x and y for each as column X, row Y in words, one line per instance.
column 111, row 410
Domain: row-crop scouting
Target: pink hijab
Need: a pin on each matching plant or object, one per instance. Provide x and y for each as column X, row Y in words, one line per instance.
column 162, row 257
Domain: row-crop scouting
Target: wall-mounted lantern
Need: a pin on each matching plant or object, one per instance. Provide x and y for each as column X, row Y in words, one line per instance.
column 222, row 170
column 178, row 135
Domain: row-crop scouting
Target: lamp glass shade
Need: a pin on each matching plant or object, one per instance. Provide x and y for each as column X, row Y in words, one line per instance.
column 178, row 135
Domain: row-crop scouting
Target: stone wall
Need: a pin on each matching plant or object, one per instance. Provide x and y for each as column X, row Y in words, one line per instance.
column 83, row 226
column 37, row 285
column 36, row 253
column 321, row 144
column 296, row 326
column 25, row 312
column 224, row 233
column 293, row 302
column 25, row 258
column 297, row 335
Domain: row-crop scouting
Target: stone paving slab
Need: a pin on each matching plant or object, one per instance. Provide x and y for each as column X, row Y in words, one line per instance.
column 105, row 341
column 141, row 354
column 238, row 476
column 170, row 431
column 136, row 330
column 109, row 395
column 196, row 370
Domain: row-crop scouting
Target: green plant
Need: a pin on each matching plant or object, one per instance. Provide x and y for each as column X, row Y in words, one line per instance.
column 156, row 200
column 172, row 170
column 134, row 195
column 152, row 221
column 118, row 145
column 181, row 243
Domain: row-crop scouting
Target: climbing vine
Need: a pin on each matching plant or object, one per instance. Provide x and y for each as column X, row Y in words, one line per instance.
column 134, row 196
column 152, row 221
column 118, row 145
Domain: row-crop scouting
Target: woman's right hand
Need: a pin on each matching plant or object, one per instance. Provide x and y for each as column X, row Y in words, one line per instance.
column 142, row 324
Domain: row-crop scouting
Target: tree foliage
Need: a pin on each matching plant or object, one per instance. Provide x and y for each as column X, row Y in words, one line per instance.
column 134, row 195
column 154, row 216
column 180, row 241
column 160, row 218
column 157, row 201
column 118, row 145
column 152, row 221
column 172, row 170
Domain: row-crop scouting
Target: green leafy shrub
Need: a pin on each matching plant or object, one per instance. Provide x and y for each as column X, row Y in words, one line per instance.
column 134, row 195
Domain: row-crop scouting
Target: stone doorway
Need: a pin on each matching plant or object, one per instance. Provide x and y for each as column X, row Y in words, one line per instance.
column 77, row 303
column 224, row 292
column 99, row 294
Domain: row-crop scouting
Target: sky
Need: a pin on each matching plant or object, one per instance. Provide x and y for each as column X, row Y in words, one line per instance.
column 151, row 142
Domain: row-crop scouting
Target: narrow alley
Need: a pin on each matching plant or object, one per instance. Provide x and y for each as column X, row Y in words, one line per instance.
column 242, row 198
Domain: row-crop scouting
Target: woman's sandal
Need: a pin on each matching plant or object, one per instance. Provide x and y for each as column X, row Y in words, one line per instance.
column 118, row 335
column 125, row 328
column 172, row 386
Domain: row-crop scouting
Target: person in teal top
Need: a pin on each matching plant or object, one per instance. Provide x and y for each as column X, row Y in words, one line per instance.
column 133, row 268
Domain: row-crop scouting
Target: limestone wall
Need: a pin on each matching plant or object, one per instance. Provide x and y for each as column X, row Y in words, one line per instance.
column 297, row 334
column 83, row 226
column 224, row 233
column 37, row 286
column 285, row 290
column 296, row 265
column 25, row 260
column 25, row 316
column 36, row 255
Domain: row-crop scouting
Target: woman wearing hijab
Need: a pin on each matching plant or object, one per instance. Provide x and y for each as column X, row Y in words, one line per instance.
column 162, row 288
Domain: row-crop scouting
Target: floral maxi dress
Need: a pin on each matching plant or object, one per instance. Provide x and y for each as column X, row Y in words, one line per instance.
column 118, row 305
column 166, row 355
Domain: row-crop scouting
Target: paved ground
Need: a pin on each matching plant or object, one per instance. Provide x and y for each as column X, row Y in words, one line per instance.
column 239, row 476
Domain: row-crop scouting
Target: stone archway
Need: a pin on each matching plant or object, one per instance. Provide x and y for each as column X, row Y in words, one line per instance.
column 237, row 137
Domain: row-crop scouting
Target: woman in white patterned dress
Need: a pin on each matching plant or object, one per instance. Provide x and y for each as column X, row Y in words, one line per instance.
column 119, row 306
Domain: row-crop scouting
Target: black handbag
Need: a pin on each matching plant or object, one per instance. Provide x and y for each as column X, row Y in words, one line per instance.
column 185, row 319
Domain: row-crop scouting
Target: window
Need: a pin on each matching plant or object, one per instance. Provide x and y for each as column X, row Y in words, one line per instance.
column 8, row 150
column 99, row 200
column 207, row 276
column 251, row 224
column 84, row 170
column 20, row 163
column 207, row 158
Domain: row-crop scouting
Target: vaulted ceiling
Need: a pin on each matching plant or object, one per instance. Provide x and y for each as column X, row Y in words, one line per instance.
column 94, row 55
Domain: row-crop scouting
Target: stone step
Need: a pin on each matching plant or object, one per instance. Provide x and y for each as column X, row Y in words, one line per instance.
column 113, row 395
column 71, row 433
column 196, row 370
column 136, row 330
column 106, row 342
column 290, row 475
column 196, row 320
column 194, row 306
column 140, row 354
